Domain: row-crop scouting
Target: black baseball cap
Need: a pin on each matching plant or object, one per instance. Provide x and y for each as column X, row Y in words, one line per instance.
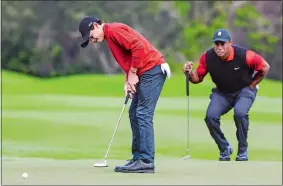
column 86, row 25
column 221, row 35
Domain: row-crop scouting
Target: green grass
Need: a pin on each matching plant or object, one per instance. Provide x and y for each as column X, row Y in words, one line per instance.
column 74, row 118
column 169, row 171
column 104, row 85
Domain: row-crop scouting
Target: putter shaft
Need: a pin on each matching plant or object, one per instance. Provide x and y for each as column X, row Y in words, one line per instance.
column 106, row 155
column 188, row 112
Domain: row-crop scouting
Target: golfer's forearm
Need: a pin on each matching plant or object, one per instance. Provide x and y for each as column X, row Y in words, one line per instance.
column 260, row 75
column 195, row 78
column 132, row 71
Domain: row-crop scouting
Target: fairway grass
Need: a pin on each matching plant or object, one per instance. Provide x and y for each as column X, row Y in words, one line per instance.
column 68, row 123
column 76, row 127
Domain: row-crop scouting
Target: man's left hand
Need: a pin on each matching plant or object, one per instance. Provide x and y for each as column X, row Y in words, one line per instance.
column 252, row 87
column 166, row 70
column 133, row 80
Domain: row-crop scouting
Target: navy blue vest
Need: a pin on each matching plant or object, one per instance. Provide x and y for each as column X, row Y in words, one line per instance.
column 231, row 76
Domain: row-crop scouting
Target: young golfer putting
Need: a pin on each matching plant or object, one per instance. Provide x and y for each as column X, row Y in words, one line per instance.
column 146, row 72
column 236, row 72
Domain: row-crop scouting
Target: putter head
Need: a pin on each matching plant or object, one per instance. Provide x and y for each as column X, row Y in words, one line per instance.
column 186, row 157
column 101, row 164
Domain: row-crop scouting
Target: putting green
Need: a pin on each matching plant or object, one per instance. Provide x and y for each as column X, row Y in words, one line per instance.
column 168, row 172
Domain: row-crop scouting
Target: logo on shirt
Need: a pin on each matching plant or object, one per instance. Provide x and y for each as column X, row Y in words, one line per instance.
column 237, row 68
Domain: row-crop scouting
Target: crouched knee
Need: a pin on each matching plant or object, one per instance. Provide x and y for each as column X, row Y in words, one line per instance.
column 239, row 113
column 211, row 119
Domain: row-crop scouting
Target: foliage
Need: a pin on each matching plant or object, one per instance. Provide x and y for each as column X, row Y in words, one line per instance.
column 41, row 37
column 49, row 45
column 198, row 32
column 249, row 19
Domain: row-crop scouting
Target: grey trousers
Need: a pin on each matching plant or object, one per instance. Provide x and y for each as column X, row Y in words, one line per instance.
column 220, row 104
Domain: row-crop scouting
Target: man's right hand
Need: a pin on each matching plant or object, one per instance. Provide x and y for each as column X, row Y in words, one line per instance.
column 188, row 67
column 194, row 77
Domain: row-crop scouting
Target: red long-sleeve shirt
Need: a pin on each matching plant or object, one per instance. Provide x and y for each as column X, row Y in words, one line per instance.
column 254, row 61
column 130, row 49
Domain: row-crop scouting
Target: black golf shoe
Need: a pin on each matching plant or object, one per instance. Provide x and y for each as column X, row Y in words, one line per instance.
column 138, row 167
column 242, row 156
column 225, row 155
column 127, row 164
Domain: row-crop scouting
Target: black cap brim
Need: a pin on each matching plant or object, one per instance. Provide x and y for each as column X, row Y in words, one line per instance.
column 220, row 39
column 85, row 40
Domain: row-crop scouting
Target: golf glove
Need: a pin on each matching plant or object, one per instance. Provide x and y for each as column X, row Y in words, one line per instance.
column 166, row 69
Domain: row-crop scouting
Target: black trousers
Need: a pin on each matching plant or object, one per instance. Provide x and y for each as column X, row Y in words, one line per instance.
column 220, row 104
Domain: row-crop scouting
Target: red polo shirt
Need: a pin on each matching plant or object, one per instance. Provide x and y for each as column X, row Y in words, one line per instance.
column 129, row 48
column 253, row 60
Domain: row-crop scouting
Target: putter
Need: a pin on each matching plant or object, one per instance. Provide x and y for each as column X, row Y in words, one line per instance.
column 188, row 126
column 104, row 164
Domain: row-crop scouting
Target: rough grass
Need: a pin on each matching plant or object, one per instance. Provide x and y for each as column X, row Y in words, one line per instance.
column 105, row 85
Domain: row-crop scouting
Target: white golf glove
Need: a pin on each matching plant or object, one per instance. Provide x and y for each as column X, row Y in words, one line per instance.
column 166, row 69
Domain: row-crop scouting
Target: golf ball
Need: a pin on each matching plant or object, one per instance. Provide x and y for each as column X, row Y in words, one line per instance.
column 25, row 175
